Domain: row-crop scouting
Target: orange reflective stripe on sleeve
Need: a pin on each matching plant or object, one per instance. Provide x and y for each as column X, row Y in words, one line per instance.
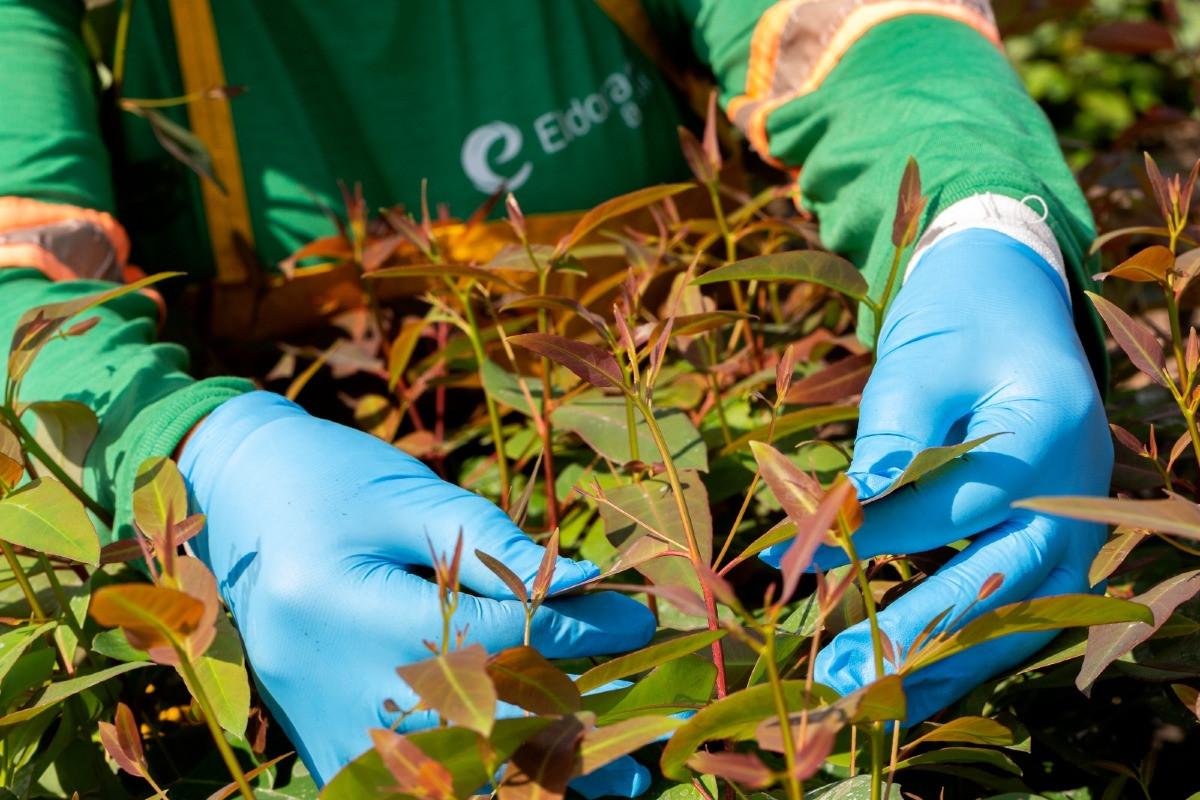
column 65, row 242
column 797, row 43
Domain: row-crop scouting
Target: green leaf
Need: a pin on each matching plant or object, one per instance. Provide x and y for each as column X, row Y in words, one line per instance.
column 1172, row 515
column 929, row 460
column 65, row 430
column 602, row 745
column 652, row 504
column 684, row 684
column 114, row 645
column 524, row 678
column 1114, row 552
column 222, row 674
column 601, row 421
column 55, row 693
column 159, row 497
column 44, row 516
column 811, row 266
column 963, row 755
column 1107, row 643
column 794, row 422
column 646, row 658
column 457, row 686
column 38, row 325
column 596, row 366
column 181, row 143
column 504, row 388
column 856, row 788
column 736, row 716
column 15, row 642
column 1039, row 614
column 974, row 730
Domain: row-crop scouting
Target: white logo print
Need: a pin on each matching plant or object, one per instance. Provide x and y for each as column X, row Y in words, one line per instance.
column 478, row 165
column 622, row 91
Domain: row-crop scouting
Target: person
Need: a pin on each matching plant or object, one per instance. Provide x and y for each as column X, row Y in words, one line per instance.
column 316, row 531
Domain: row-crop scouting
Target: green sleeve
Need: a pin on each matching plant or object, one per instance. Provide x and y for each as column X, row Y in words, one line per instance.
column 51, row 150
column 139, row 389
column 923, row 86
column 50, row 144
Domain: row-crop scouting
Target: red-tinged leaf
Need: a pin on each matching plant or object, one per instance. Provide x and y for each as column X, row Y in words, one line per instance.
column 1192, row 353
column 510, row 579
column 1152, row 445
column 1127, row 439
column 416, row 774
column 645, row 659
column 1133, row 37
column 120, row 551
column 785, row 371
column 80, row 328
column 545, row 573
column 515, row 217
column 1039, row 614
column 1159, row 186
column 1177, row 449
column 693, row 154
column 603, row 745
column 887, row 649
column 909, row 206
column 327, row 248
column 745, row 769
column 123, row 742
column 596, row 366
column 990, row 586
column 1171, row 515
column 457, row 686
column 150, row 616
column 569, row 305
column 541, row 767
column 837, row 381
column 811, row 753
column 1107, row 643
column 524, row 678
column 188, row 528
column 1188, row 696
column 721, row 589
column 810, row 266
column 197, row 580
column 441, row 270
column 712, row 144
column 681, row 597
column 615, row 208
column 1151, row 265
column 1114, row 552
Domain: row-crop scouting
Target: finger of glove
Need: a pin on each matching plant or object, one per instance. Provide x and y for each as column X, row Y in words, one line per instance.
column 623, row 777
column 441, row 511
column 1025, row 550
column 971, row 494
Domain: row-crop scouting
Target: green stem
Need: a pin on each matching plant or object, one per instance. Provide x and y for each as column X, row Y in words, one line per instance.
column 493, row 412
column 884, row 301
column 878, row 745
column 749, row 496
column 120, row 46
column 785, row 726
column 33, row 448
column 218, row 736
column 22, row 580
column 547, row 397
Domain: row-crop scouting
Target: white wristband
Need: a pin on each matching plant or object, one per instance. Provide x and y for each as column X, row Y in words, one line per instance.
column 999, row 213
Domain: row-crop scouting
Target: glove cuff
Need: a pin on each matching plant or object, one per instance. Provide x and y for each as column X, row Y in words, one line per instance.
column 996, row 212
column 210, row 450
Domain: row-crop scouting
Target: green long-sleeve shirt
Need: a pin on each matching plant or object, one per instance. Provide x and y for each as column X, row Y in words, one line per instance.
column 544, row 96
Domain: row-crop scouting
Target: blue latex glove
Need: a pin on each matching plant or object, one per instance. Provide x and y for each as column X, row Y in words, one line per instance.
column 313, row 533
column 979, row 340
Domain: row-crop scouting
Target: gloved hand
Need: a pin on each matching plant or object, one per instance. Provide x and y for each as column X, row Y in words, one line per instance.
column 314, row 531
column 979, row 340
